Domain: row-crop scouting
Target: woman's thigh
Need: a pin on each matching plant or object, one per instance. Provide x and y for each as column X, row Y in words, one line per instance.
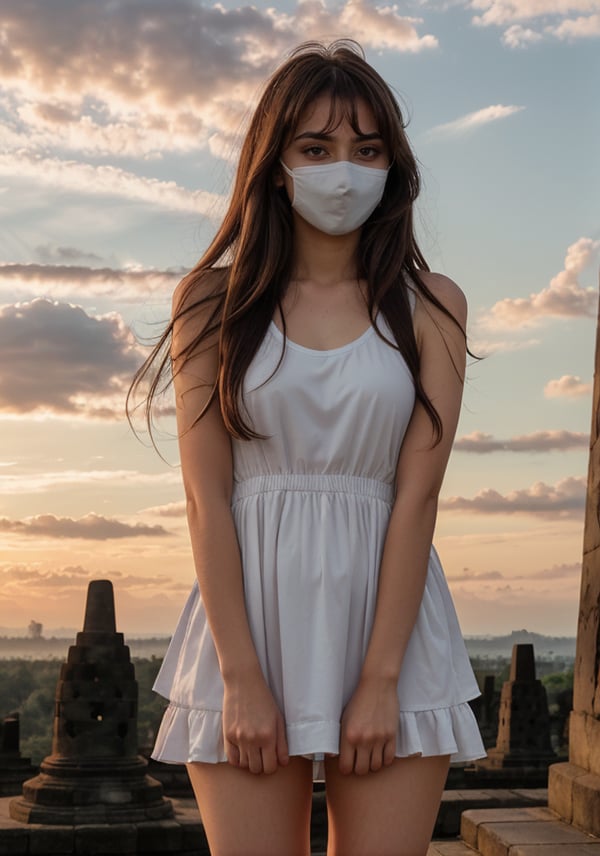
column 388, row 813
column 254, row 815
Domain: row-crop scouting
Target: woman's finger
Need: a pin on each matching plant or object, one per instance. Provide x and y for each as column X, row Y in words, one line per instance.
column 233, row 753
column 376, row 757
column 255, row 762
column 362, row 761
column 346, row 762
column 243, row 759
column 281, row 746
column 389, row 752
column 269, row 759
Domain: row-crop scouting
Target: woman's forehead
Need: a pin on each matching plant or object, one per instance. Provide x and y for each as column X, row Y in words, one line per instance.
column 327, row 112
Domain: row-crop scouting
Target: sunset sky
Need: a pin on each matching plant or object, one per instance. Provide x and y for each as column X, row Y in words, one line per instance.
column 119, row 123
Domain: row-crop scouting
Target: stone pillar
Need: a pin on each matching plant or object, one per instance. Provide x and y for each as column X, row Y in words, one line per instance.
column 94, row 774
column 574, row 787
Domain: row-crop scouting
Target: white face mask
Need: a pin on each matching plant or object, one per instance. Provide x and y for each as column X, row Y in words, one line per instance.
column 336, row 198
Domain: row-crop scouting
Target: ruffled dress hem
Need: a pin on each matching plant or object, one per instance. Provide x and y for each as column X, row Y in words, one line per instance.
column 188, row 734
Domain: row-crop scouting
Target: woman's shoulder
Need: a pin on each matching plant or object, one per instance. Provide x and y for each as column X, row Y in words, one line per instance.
column 198, row 286
column 447, row 292
column 195, row 313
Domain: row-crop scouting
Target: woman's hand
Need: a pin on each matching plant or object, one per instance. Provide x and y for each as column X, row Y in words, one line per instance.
column 369, row 727
column 253, row 727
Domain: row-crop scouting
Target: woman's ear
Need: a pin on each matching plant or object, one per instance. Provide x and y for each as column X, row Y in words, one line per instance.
column 278, row 176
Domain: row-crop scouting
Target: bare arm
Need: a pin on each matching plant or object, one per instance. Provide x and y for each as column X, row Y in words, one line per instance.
column 253, row 727
column 370, row 720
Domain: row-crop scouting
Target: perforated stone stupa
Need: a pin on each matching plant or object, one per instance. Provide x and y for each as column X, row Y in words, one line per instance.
column 94, row 774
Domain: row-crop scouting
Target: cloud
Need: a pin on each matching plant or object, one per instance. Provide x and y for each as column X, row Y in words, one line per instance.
column 563, row 572
column 171, row 509
column 567, row 386
column 378, row 27
column 92, row 527
column 517, row 36
column 49, row 254
column 499, row 609
column 55, row 595
column 558, row 572
column 584, row 27
column 138, row 78
column 107, row 180
column 468, row 576
column 563, row 298
column 551, row 17
column 41, row 482
column 565, row 499
column 64, row 361
column 499, row 12
column 486, row 347
column 68, row 281
column 538, row 441
column 472, row 121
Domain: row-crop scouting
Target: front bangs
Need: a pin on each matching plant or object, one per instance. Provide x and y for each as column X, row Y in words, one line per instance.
column 344, row 91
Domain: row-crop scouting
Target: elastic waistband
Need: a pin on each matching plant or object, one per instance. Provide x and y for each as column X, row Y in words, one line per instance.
column 313, row 482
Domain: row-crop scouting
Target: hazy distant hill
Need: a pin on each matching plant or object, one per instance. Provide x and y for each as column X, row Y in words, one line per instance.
column 22, row 647
column 501, row 646
column 478, row 646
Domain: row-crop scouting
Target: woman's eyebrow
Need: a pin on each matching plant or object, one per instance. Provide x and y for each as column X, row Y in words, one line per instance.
column 319, row 135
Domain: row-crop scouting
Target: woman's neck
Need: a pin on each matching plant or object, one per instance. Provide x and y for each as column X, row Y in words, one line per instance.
column 324, row 259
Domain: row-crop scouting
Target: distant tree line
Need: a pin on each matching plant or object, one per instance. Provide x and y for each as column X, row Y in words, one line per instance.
column 29, row 686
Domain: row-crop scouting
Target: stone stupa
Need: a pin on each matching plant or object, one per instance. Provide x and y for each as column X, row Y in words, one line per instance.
column 94, row 773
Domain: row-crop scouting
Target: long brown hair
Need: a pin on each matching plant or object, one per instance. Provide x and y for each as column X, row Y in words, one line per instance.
column 253, row 247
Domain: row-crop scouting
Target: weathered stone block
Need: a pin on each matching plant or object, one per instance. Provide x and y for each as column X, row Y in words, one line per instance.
column 560, row 788
column 498, row 839
column 163, row 836
column 193, row 836
column 468, row 827
column 591, row 539
column 449, row 848
column 448, row 818
column 473, row 821
column 104, row 839
column 556, row 850
column 537, row 796
column 44, row 841
column 579, row 751
column 592, row 727
column 13, row 842
column 586, row 803
column 584, row 683
column 584, row 741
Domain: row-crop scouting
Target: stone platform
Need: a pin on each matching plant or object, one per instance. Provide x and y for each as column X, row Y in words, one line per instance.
column 534, row 831
column 184, row 835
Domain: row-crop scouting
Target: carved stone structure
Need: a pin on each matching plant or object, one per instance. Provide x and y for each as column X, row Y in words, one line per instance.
column 523, row 750
column 571, row 821
column 524, row 722
column 14, row 769
column 574, row 787
column 94, row 774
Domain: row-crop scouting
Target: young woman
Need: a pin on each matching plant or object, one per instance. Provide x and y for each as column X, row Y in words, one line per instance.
column 318, row 369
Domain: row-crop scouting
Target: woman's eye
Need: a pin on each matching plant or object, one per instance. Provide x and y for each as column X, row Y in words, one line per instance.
column 368, row 152
column 314, row 151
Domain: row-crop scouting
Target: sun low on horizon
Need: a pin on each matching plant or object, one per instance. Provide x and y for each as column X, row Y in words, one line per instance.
column 119, row 124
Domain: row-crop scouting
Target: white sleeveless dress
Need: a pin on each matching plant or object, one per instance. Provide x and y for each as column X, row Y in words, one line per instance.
column 311, row 506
